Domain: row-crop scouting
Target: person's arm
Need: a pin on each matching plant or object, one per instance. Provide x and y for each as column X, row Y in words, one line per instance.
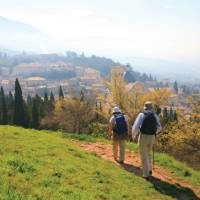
column 159, row 127
column 137, row 124
column 126, row 120
column 111, row 124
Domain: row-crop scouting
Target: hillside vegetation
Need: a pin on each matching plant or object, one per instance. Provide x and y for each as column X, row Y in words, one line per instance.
column 44, row 165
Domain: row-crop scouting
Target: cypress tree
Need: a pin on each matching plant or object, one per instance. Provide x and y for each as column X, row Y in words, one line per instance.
column 82, row 96
column 19, row 113
column 35, row 113
column 27, row 115
column 10, row 100
column 100, row 106
column 61, row 95
column 158, row 109
column 4, row 113
column 171, row 115
column 52, row 99
column 51, row 103
column 175, row 116
column 0, row 108
column 165, row 116
column 176, row 87
column 45, row 97
column 10, row 106
column 40, row 104
column 45, row 105
column 29, row 100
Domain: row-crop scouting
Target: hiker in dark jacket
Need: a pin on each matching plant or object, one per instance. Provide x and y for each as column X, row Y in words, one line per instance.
column 148, row 125
column 119, row 132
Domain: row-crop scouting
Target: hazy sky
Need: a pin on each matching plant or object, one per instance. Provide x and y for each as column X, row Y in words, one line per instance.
column 167, row 29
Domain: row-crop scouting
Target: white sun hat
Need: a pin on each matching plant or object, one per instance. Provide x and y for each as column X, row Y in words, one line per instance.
column 148, row 105
column 116, row 110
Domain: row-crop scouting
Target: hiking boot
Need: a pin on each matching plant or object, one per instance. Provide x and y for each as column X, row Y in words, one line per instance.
column 146, row 177
column 115, row 159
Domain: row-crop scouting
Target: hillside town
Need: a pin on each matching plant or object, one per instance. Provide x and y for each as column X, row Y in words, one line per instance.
column 45, row 74
column 88, row 79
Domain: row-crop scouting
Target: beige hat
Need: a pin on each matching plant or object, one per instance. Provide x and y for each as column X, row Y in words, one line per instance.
column 148, row 105
column 116, row 110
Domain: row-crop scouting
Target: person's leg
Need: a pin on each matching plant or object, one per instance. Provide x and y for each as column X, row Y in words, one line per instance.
column 115, row 149
column 151, row 140
column 122, row 145
column 144, row 155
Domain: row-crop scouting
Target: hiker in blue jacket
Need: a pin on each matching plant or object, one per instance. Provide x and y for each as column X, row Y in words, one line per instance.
column 148, row 125
column 119, row 132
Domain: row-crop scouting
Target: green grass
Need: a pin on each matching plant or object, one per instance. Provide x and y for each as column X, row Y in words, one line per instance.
column 44, row 165
column 83, row 137
column 178, row 169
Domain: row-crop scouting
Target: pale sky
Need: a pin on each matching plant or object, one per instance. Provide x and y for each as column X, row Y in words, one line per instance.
column 164, row 29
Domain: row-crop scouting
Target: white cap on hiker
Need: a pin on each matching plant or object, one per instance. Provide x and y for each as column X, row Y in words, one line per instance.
column 116, row 110
column 148, row 105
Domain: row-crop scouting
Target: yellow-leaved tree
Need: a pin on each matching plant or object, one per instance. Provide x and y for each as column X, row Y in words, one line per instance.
column 130, row 97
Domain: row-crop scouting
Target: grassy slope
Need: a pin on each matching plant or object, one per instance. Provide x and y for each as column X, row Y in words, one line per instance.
column 40, row 165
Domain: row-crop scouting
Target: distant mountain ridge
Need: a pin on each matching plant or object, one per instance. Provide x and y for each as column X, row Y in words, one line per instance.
column 21, row 36
column 12, row 25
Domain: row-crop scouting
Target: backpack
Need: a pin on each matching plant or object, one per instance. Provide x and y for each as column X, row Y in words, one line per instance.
column 149, row 125
column 120, row 125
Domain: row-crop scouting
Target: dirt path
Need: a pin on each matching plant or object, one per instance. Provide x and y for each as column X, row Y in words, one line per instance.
column 132, row 164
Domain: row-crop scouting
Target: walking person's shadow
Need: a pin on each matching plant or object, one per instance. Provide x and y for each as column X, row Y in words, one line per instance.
column 174, row 190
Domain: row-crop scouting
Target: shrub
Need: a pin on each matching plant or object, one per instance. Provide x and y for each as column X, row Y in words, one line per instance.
column 98, row 129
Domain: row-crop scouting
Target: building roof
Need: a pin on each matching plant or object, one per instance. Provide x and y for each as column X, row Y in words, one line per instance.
column 35, row 78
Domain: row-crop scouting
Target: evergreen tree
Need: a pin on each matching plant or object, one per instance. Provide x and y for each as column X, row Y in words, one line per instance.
column 45, row 97
column 171, row 115
column 61, row 95
column 27, row 114
column 176, row 87
column 40, row 104
column 165, row 117
column 158, row 109
column 28, row 109
column 4, row 111
column 52, row 99
column 175, row 116
column 100, row 106
column 35, row 113
column 10, row 106
column 82, row 96
column 51, row 103
column 0, row 108
column 45, row 105
column 186, row 90
column 10, row 100
column 19, row 113
column 29, row 100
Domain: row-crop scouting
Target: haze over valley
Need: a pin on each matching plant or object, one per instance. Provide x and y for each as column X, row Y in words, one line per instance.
column 62, row 42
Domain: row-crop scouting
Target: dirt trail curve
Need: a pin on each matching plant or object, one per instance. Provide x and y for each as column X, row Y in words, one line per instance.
column 132, row 164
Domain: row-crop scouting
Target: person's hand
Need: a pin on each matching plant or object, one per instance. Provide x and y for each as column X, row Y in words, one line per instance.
column 135, row 139
column 110, row 136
